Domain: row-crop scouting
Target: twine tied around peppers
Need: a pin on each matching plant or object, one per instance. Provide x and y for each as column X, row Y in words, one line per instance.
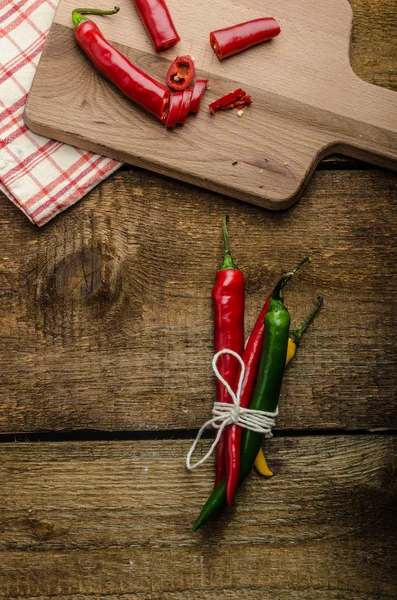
column 225, row 413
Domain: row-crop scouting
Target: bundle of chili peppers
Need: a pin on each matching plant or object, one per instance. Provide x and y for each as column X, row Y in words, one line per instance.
column 155, row 97
column 268, row 350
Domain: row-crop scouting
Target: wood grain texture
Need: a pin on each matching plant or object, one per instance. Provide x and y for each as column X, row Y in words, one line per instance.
column 374, row 42
column 308, row 102
column 106, row 319
column 95, row 520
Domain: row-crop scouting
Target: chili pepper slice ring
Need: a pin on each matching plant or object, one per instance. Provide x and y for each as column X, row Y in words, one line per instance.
column 181, row 73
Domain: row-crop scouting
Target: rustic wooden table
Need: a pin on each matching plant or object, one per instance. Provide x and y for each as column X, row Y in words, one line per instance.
column 104, row 377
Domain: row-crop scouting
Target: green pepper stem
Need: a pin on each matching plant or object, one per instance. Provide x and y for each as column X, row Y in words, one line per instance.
column 307, row 259
column 278, row 290
column 228, row 262
column 78, row 18
column 297, row 333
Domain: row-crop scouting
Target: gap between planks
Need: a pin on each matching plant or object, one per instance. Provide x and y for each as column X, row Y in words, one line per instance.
column 181, row 434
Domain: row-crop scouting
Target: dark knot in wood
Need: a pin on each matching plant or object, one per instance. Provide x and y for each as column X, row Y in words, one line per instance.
column 82, row 275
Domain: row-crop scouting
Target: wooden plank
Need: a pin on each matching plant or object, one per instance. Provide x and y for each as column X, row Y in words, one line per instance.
column 307, row 101
column 93, row 520
column 243, row 594
column 106, row 318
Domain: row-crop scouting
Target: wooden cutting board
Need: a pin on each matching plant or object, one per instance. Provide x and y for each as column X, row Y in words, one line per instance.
column 307, row 101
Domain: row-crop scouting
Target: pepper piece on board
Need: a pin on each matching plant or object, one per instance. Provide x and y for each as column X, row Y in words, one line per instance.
column 158, row 22
column 184, row 110
column 251, row 359
column 174, row 110
column 236, row 99
column 231, row 40
column 181, row 73
column 293, row 341
column 198, row 92
column 134, row 83
column 265, row 395
column 228, row 297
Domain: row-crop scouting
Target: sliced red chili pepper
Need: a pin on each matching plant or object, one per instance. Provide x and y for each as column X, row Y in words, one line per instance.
column 174, row 109
column 244, row 101
column 181, row 73
column 235, row 99
column 134, row 83
column 226, row 100
column 184, row 111
column 157, row 20
column 198, row 91
column 231, row 40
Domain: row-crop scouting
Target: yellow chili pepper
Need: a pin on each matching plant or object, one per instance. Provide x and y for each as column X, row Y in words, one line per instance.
column 293, row 341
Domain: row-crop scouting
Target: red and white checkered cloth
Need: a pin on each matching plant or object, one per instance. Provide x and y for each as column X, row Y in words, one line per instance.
column 42, row 177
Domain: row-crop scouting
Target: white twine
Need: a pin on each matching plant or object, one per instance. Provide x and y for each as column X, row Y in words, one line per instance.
column 225, row 414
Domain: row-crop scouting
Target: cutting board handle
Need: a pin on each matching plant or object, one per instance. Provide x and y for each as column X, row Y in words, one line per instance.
column 371, row 127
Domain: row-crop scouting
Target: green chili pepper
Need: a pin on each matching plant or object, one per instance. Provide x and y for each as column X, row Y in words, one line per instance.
column 265, row 395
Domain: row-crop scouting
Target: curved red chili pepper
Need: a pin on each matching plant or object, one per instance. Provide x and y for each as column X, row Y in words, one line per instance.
column 181, row 73
column 251, row 358
column 134, row 83
column 184, row 110
column 157, row 20
column 198, row 91
column 231, row 40
column 174, row 109
column 228, row 299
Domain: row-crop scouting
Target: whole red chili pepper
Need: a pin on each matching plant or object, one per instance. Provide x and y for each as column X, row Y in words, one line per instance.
column 251, row 358
column 134, row 83
column 181, row 73
column 228, row 298
column 157, row 20
column 231, row 40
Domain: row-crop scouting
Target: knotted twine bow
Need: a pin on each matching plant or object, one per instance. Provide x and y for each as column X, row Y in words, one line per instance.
column 225, row 414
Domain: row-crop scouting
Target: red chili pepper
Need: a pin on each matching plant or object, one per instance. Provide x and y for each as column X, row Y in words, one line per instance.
column 184, row 110
column 251, row 358
column 175, row 108
column 181, row 73
column 231, row 40
column 235, row 99
column 198, row 91
column 244, row 101
column 134, row 83
column 228, row 298
column 157, row 20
